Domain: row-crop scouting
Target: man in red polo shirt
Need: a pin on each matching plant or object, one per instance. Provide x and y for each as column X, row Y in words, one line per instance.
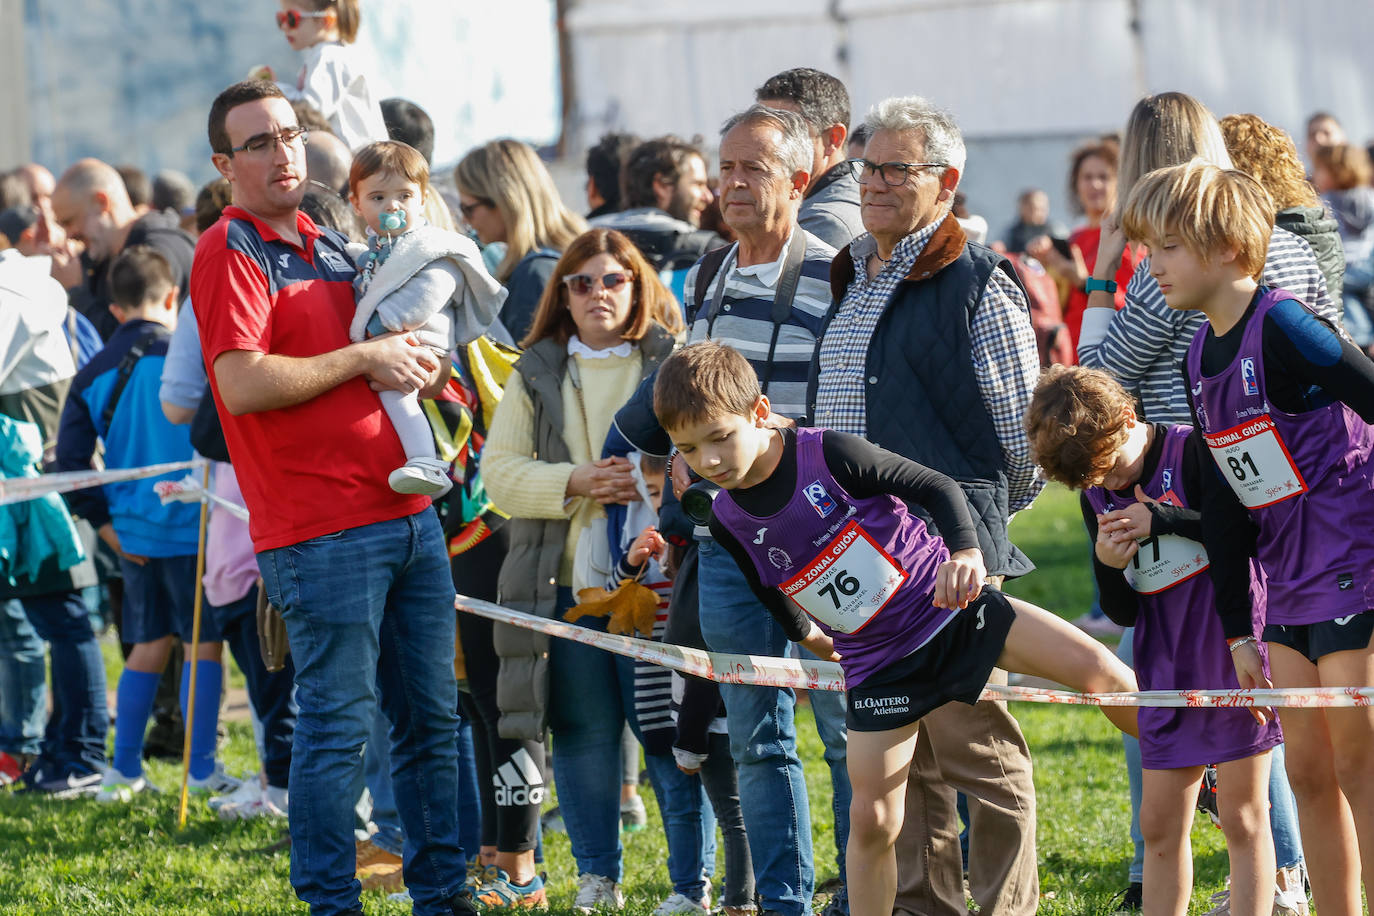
column 360, row 572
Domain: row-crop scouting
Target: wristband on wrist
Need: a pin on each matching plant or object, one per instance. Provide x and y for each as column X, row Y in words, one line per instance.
column 1093, row 285
column 1234, row 644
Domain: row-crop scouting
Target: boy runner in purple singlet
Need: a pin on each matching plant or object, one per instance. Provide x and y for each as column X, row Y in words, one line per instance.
column 1283, row 403
column 1142, row 485
column 819, row 523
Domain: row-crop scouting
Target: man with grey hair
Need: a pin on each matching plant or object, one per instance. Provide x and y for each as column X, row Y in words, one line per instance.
column 929, row 353
column 830, row 208
column 766, row 296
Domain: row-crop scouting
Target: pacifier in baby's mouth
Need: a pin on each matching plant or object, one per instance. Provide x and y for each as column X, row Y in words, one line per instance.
column 393, row 221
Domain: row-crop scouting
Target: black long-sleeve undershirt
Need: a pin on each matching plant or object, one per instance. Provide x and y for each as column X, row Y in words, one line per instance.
column 1307, row 366
column 863, row 470
column 1118, row 600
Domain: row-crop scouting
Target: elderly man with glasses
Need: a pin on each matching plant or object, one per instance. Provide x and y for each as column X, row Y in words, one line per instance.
column 929, row 353
column 359, row 571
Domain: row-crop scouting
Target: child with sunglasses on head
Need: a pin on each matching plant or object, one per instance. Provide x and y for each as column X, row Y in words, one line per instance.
column 1142, row 489
column 414, row 278
column 1284, row 406
column 821, row 525
column 329, row 80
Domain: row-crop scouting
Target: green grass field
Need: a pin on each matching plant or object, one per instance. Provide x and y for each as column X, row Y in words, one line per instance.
column 82, row 858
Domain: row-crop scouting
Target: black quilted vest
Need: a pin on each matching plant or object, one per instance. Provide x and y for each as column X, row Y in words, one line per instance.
column 923, row 400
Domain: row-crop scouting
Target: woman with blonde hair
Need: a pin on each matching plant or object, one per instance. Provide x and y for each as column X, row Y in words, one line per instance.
column 604, row 323
column 1270, row 156
column 1144, row 343
column 507, row 195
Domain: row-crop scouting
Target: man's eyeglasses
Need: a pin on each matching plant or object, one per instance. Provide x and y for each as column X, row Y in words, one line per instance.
column 895, row 174
column 468, row 209
column 584, row 284
column 260, row 142
column 290, row 19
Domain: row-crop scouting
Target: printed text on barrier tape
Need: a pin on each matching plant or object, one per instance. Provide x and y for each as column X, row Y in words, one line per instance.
column 22, row 489
column 767, row 671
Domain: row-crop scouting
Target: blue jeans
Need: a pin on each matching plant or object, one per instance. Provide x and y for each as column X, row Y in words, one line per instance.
column 763, row 738
column 689, row 824
column 828, row 708
column 377, row 769
column 269, row 692
column 23, row 692
column 586, row 717
column 75, row 739
column 376, row 598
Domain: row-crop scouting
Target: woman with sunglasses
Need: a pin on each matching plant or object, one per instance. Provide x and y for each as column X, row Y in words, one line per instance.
column 506, row 195
column 329, row 80
column 603, row 324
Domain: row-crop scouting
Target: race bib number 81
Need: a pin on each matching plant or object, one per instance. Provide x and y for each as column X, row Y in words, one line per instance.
column 1256, row 463
column 849, row 583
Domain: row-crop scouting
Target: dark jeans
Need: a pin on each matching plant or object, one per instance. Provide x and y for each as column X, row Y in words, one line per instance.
column 269, row 692
column 74, row 742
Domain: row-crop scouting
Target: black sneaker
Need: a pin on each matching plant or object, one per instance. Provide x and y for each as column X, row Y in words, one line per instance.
column 1207, row 795
column 1131, row 899
column 462, row 904
column 838, row 904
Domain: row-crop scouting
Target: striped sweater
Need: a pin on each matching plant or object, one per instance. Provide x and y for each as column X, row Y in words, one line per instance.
column 1144, row 344
column 745, row 319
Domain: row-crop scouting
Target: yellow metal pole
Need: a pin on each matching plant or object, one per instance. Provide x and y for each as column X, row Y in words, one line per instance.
column 195, row 644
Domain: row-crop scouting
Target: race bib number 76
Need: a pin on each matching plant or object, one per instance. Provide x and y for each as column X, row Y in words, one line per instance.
column 849, row 583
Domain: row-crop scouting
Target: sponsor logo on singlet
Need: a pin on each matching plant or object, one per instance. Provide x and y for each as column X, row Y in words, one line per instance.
column 1166, row 479
column 779, row 558
column 819, row 499
column 759, row 539
column 1247, row 376
column 1345, row 582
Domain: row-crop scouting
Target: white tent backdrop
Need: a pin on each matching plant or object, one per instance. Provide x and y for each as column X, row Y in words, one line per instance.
column 1027, row 79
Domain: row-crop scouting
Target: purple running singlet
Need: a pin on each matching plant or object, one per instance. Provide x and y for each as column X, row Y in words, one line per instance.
column 1179, row 642
column 863, row 569
column 1305, row 478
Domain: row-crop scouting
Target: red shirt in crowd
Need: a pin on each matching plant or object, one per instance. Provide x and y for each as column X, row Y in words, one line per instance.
column 1086, row 239
column 316, row 467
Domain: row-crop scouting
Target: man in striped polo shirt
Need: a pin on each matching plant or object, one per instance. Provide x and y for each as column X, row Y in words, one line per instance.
column 765, row 158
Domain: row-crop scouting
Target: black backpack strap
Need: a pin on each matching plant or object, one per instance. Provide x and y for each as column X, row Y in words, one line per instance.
column 782, row 299
column 706, row 275
column 126, row 368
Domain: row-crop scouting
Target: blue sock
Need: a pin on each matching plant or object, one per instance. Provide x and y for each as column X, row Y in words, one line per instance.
column 209, row 682
column 134, row 700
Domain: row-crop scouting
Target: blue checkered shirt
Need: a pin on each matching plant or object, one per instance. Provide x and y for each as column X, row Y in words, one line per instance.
column 1005, row 359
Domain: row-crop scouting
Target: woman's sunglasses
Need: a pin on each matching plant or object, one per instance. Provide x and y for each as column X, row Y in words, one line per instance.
column 584, row 284
column 290, row 19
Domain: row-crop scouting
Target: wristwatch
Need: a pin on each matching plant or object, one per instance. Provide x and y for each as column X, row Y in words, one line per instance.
column 1092, row 285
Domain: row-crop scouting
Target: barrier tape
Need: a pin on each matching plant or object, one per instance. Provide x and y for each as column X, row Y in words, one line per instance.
column 189, row 490
column 23, row 489
column 766, row 671
column 724, row 668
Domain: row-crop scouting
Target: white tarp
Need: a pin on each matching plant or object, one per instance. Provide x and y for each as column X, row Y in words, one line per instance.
column 1026, row 79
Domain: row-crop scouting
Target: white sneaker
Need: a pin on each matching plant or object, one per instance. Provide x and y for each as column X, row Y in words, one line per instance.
column 425, row 476
column 217, row 783
column 270, row 803
column 116, row 787
column 249, row 790
column 680, row 905
column 596, row 892
column 1290, row 891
